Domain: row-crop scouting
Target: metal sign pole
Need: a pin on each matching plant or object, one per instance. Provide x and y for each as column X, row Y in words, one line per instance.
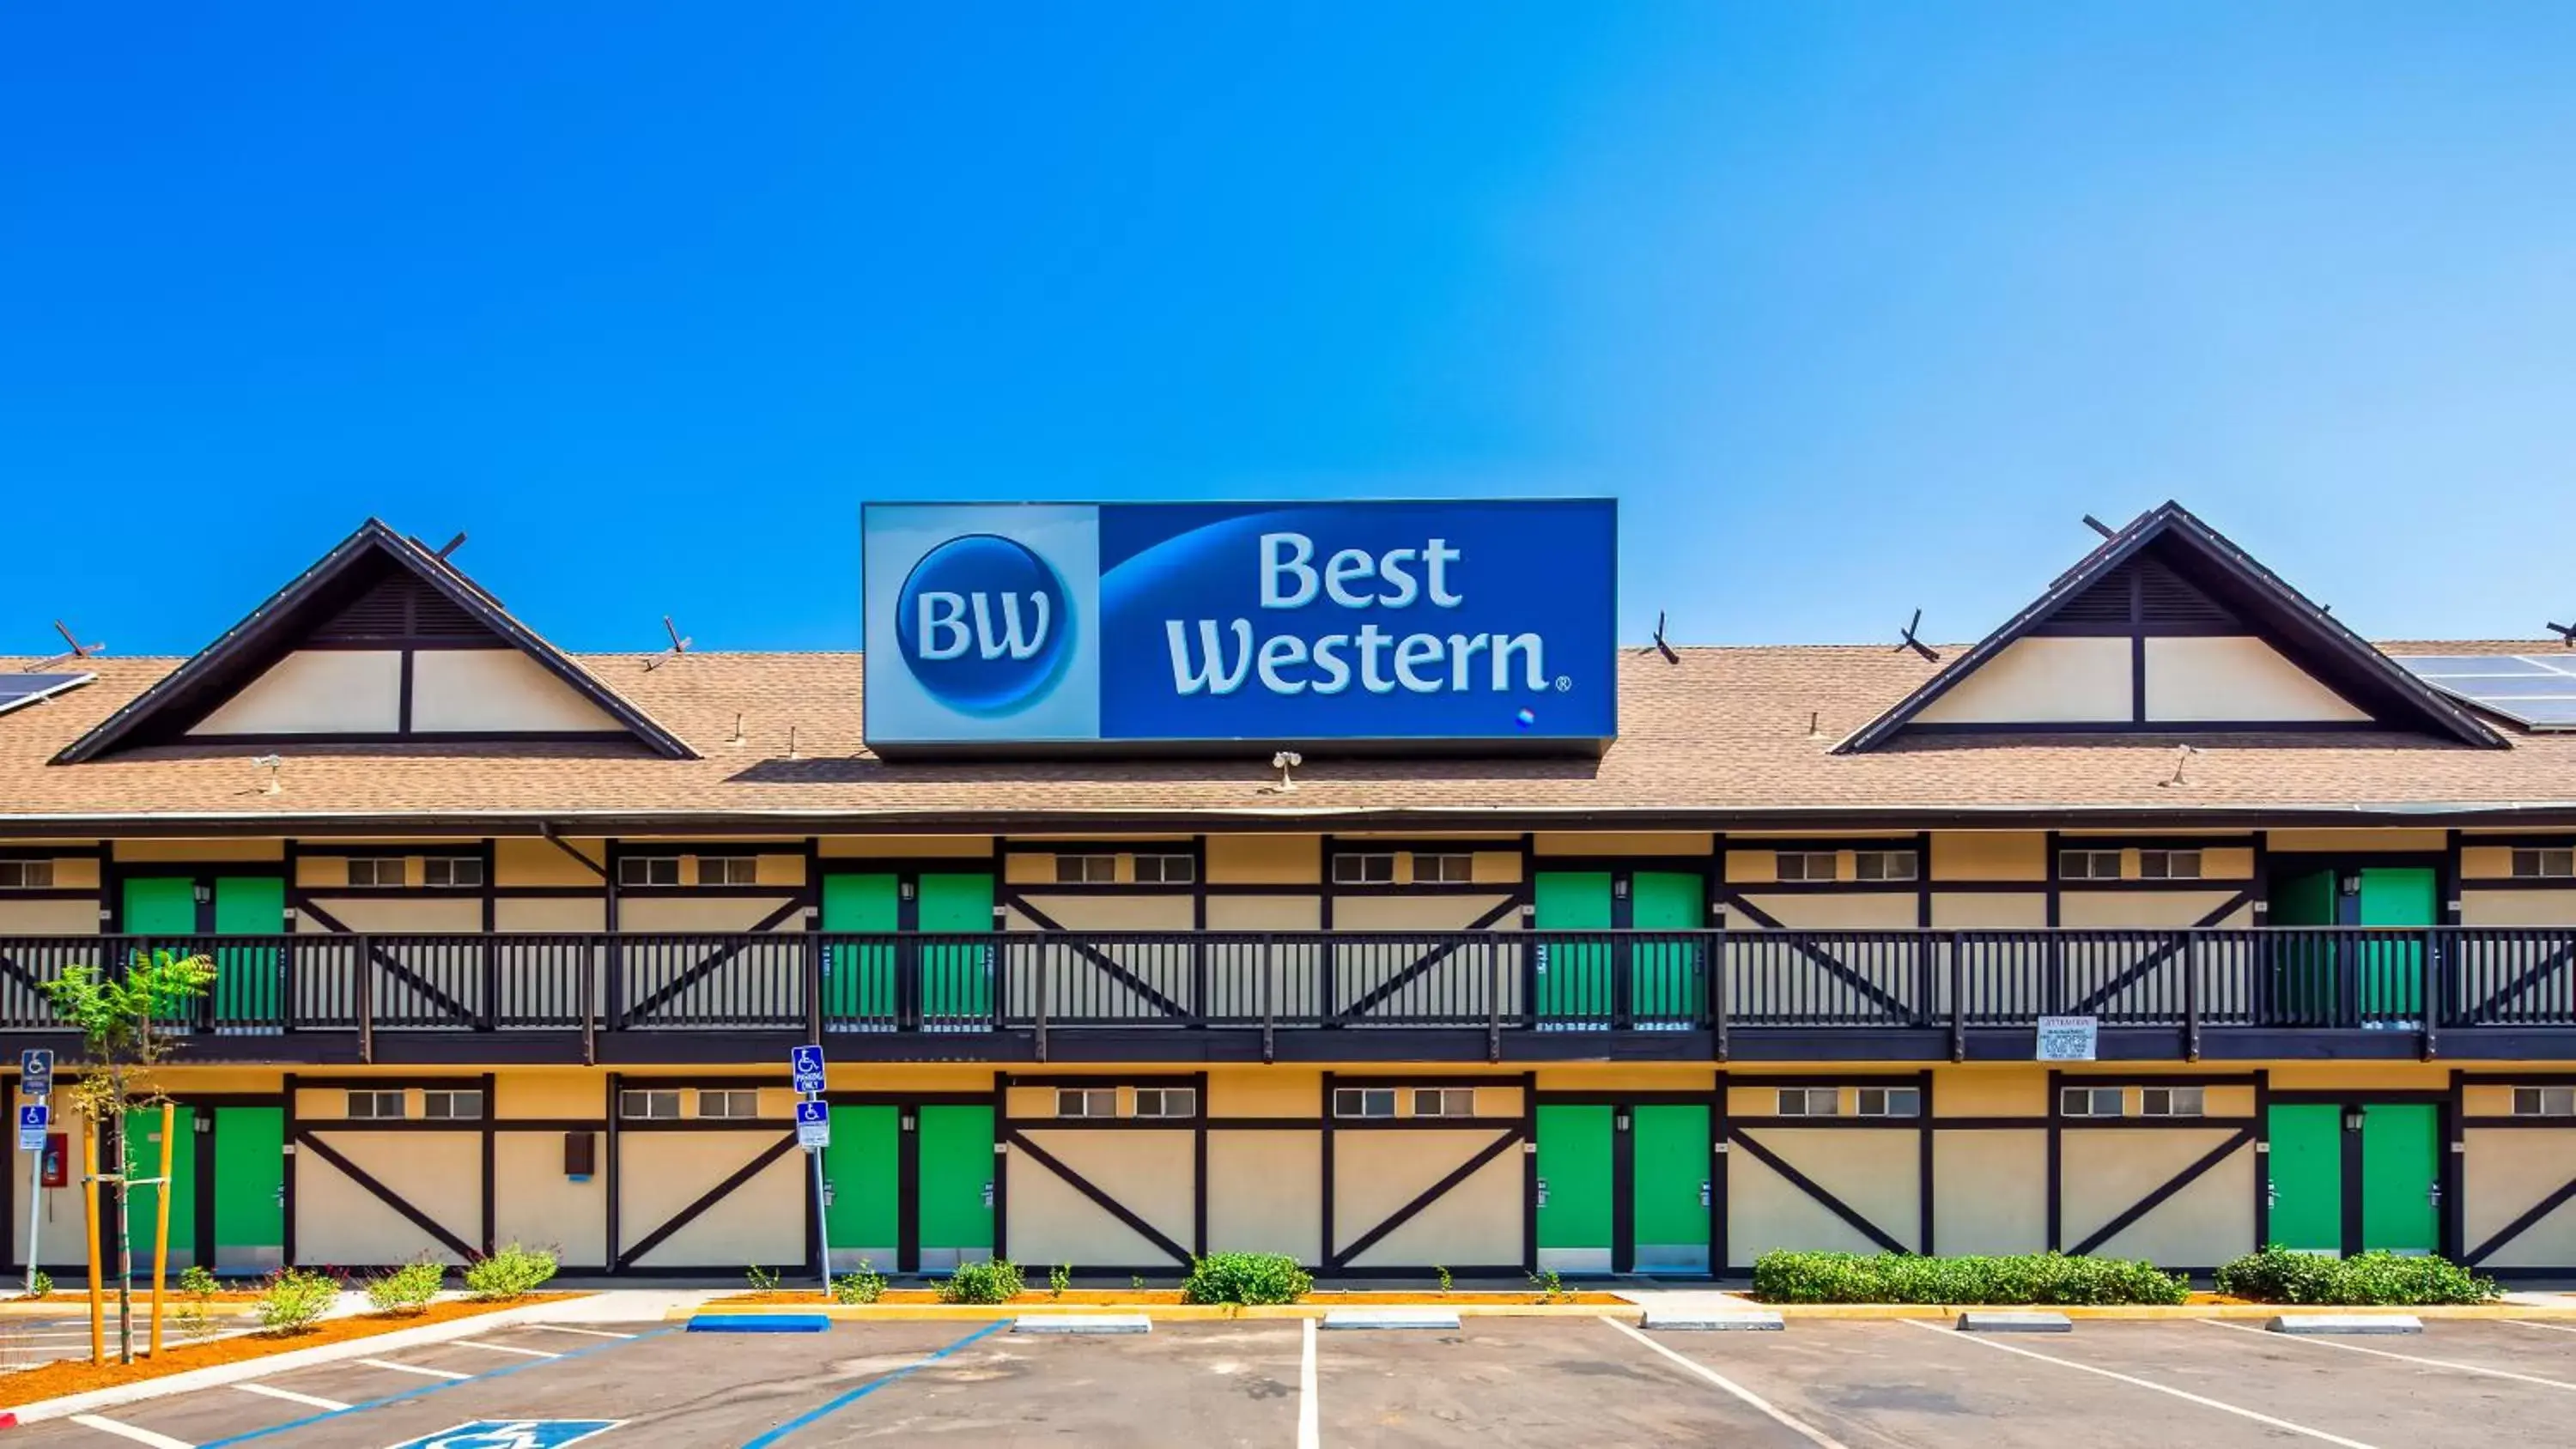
column 35, row 1211
column 822, row 1221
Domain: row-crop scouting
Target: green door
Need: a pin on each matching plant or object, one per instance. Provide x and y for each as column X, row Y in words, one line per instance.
column 2392, row 972
column 250, row 1187
column 1574, row 977
column 2306, row 1167
column 2401, row 1160
column 865, row 1219
column 143, row 1145
column 1663, row 976
column 246, row 990
column 1574, row 1188
column 2305, row 988
column 956, row 981
column 956, row 1185
column 1670, row 1212
column 858, row 981
column 164, row 907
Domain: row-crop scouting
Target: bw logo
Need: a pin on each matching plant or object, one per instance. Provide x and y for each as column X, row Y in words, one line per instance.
column 984, row 625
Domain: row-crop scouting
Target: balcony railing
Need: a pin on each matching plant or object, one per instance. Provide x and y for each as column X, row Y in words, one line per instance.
column 2422, row 980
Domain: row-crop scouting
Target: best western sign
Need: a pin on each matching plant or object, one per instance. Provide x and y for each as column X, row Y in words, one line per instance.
column 1479, row 623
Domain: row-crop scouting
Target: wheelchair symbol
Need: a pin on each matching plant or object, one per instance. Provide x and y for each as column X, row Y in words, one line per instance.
column 513, row 1434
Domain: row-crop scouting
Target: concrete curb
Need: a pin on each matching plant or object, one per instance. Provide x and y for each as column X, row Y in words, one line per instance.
column 1753, row 1321
column 1629, row 1313
column 2015, row 1322
column 2301, row 1324
column 1391, row 1318
column 1072, row 1323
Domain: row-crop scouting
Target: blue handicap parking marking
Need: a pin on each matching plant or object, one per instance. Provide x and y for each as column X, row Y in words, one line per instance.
column 512, row 1434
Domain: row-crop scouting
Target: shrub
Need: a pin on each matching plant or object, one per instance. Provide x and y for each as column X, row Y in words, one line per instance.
column 997, row 1281
column 1246, row 1278
column 1059, row 1278
column 406, row 1289
column 865, row 1285
column 40, row 1284
column 292, row 1300
column 198, row 1283
column 2377, row 1279
column 762, row 1280
column 2052, row 1278
column 515, row 1270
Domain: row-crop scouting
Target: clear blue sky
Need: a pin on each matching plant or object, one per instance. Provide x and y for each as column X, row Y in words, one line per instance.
column 1855, row 307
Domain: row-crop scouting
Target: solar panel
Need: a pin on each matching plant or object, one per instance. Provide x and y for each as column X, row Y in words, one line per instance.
column 18, row 689
column 2536, row 692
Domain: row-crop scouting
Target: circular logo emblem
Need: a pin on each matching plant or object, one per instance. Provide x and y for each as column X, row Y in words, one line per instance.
column 984, row 624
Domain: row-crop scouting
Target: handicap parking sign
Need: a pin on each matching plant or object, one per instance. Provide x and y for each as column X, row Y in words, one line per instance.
column 31, row 1127
column 813, row 1125
column 805, row 1066
column 513, row 1434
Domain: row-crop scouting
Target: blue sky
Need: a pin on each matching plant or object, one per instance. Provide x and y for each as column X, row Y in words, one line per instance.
column 1857, row 308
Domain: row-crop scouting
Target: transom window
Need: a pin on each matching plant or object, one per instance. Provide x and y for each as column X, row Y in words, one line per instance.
column 452, row 872
column 2544, row 1101
column 2169, row 864
column 1883, row 865
column 1372, row 869
column 2543, row 863
column 443, row 1104
column 1811, row 1102
column 1888, row 1102
column 2088, row 865
column 1805, row 865
column 1086, row 1101
column 377, row 1106
column 2092, row 1102
column 1167, row 1101
column 1445, row 867
column 648, row 870
column 1444, row 1101
column 729, row 1102
column 649, row 1104
column 2170, row 1102
column 26, row 875
column 1086, row 869
column 375, row 870
column 1363, row 1101
column 728, row 870
column 1166, row 869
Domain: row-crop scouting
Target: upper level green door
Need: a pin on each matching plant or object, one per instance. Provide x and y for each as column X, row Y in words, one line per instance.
column 1663, row 977
column 858, row 980
column 160, row 905
column 957, row 981
column 2305, row 968
column 2392, row 971
column 1573, row 977
column 247, row 991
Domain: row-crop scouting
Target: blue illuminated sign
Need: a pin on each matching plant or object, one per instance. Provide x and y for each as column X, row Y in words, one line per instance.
column 1267, row 623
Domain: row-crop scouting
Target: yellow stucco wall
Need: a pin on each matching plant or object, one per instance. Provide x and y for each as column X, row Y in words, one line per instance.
column 199, row 850
column 913, row 846
column 1989, row 855
column 1265, row 859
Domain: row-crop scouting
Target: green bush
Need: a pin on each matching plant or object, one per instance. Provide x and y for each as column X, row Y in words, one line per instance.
column 293, row 1300
column 406, row 1289
column 1246, row 1278
column 2052, row 1278
column 198, row 1283
column 863, row 1285
column 997, row 1281
column 761, row 1280
column 515, row 1270
column 2378, row 1279
column 40, row 1284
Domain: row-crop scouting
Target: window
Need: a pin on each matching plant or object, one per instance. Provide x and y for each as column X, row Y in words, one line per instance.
column 726, row 870
column 735, row 1102
column 1444, row 1101
column 26, row 875
column 375, row 870
column 2092, row 1102
column 1811, row 1102
column 2544, row 1101
column 1883, row 865
column 1085, row 869
column 452, row 872
column 2169, row 864
column 649, row 870
column 442, row 1105
column 376, row 1106
column 1364, row 870
column 1806, row 865
column 658, row 1105
column 1086, row 1101
column 2537, row 864
column 1363, row 1101
column 2169, row 1102
column 2088, row 865
column 1166, row 869
column 1167, row 1101
column 1445, row 868
column 1889, row 1102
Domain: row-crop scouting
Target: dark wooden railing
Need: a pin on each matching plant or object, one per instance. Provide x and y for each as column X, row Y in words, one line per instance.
column 2442, row 978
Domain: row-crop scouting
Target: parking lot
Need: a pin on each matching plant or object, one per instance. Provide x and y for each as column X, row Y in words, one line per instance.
column 1496, row 1381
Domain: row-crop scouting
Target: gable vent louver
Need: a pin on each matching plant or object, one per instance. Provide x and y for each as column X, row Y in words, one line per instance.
column 2165, row 600
column 400, row 607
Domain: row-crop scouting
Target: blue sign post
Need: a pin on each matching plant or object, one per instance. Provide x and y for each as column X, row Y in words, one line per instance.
column 33, row 1119
column 814, row 1133
column 35, row 1079
column 805, row 1065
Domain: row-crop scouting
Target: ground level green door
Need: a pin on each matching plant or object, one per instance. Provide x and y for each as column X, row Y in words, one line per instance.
column 1663, row 976
column 1573, row 977
column 1670, row 1212
column 250, row 1188
column 143, row 1138
column 956, row 1185
column 2401, row 1161
column 957, row 981
column 2305, row 1163
column 863, row 1175
column 858, row 980
column 1574, row 1210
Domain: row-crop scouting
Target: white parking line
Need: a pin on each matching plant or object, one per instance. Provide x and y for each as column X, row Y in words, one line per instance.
column 568, row 1328
column 409, row 1368
column 1808, row 1431
column 1309, row 1425
column 2550, row 1327
column 128, row 1431
column 2187, row 1397
column 501, row 1348
column 311, row 1401
column 2466, row 1368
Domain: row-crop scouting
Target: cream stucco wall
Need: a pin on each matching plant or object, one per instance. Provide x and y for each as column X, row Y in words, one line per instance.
column 2203, row 678
column 2507, row 1173
column 762, row 1221
column 535, row 1204
column 1990, row 1191
column 1148, row 1172
column 315, row 691
column 2107, row 1170
column 2518, row 908
column 1876, row 1173
column 457, row 690
column 1989, row 910
column 1376, row 1172
column 1265, row 1193
column 48, row 918
column 337, row 1221
column 1886, row 911
column 2041, row 680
